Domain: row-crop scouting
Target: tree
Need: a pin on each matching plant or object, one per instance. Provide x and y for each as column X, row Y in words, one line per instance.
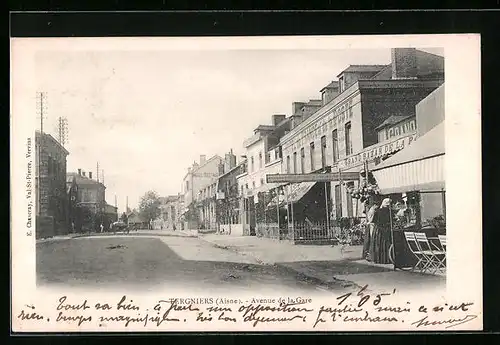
column 149, row 206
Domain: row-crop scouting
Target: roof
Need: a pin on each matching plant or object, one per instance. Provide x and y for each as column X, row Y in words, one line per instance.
column 50, row 137
column 333, row 85
column 363, row 68
column 264, row 128
column 392, row 120
column 81, row 180
column 428, row 145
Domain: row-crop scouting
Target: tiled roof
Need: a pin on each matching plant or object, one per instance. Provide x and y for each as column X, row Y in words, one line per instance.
column 333, row 85
column 81, row 180
column 363, row 68
column 392, row 120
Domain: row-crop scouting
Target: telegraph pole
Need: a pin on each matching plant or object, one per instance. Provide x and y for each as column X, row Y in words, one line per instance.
column 41, row 98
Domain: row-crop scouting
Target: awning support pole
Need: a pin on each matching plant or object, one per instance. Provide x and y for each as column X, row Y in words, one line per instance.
column 326, row 208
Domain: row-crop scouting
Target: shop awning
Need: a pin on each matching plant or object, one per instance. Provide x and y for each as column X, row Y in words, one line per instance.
column 420, row 166
column 298, row 190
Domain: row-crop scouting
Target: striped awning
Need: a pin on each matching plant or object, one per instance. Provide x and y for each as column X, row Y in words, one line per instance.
column 419, row 167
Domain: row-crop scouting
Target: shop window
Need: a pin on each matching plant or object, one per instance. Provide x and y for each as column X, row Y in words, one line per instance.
column 335, row 146
column 302, row 160
column 348, row 138
column 432, row 210
column 323, row 151
column 295, row 162
column 312, row 155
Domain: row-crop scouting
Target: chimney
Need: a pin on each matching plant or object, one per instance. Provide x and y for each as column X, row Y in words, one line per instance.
column 329, row 92
column 229, row 161
column 203, row 159
column 310, row 108
column 404, row 63
column 90, row 175
column 83, row 173
column 296, row 108
column 80, row 172
column 278, row 118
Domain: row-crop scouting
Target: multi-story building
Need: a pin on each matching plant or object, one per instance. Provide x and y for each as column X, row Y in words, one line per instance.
column 171, row 211
column 200, row 176
column 228, row 197
column 50, row 186
column 368, row 104
column 263, row 156
column 90, row 203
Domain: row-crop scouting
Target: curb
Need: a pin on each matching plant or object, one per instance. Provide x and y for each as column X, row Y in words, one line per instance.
column 301, row 275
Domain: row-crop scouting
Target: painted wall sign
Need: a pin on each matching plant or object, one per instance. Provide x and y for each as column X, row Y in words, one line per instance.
column 402, row 128
column 322, row 126
column 319, row 177
column 376, row 151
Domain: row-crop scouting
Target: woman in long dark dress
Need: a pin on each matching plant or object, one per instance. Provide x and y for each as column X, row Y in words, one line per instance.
column 382, row 234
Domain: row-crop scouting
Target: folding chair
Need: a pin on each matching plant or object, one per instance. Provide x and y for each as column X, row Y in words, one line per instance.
column 442, row 241
column 415, row 249
column 435, row 257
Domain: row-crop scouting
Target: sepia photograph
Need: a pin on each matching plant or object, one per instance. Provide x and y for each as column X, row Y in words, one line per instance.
column 240, row 185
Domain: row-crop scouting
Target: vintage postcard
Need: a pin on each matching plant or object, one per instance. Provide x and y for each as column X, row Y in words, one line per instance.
column 246, row 184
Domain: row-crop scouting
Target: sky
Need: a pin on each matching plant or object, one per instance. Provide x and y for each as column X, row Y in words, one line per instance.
column 146, row 116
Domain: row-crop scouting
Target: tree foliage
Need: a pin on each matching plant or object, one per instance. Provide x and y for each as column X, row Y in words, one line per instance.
column 149, row 206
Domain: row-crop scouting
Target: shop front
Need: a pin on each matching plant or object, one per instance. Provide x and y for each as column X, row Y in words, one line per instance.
column 414, row 181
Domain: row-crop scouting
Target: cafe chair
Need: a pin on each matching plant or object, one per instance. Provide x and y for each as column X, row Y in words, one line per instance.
column 422, row 261
column 442, row 241
column 434, row 257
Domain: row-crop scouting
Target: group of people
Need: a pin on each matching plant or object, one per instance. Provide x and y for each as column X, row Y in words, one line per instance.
column 378, row 238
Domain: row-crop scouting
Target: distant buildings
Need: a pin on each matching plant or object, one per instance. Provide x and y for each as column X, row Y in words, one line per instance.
column 172, row 208
column 50, row 186
column 197, row 185
column 89, row 208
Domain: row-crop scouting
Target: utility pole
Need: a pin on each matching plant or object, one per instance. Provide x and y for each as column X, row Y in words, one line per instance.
column 62, row 130
column 97, row 172
column 41, row 103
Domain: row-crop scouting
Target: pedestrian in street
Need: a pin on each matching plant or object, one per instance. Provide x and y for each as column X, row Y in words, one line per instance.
column 101, row 227
column 381, row 236
column 370, row 215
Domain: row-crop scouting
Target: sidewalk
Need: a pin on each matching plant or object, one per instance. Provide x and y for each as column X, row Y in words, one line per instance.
column 328, row 266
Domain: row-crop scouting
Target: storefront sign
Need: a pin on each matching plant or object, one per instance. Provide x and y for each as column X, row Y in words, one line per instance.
column 319, row 177
column 334, row 118
column 376, row 151
column 403, row 128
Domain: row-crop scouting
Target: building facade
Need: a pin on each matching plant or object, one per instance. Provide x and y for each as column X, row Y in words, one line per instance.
column 171, row 211
column 90, row 202
column 200, row 176
column 50, row 186
column 353, row 126
column 228, row 201
column 263, row 157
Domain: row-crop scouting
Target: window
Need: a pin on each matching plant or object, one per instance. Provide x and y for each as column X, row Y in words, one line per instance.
column 260, row 160
column 312, row 155
column 253, row 164
column 348, row 139
column 287, row 164
column 302, row 160
column 295, row 162
column 246, row 186
column 335, row 146
column 253, row 184
column 323, row 151
column 261, row 181
column 241, row 190
column 187, row 186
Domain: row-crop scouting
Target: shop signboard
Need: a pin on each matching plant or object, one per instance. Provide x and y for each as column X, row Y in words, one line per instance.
column 315, row 177
column 376, row 151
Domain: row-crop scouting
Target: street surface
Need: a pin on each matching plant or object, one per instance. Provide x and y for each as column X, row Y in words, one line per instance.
column 147, row 263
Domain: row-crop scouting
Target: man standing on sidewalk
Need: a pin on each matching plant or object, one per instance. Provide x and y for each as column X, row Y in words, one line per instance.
column 368, row 231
